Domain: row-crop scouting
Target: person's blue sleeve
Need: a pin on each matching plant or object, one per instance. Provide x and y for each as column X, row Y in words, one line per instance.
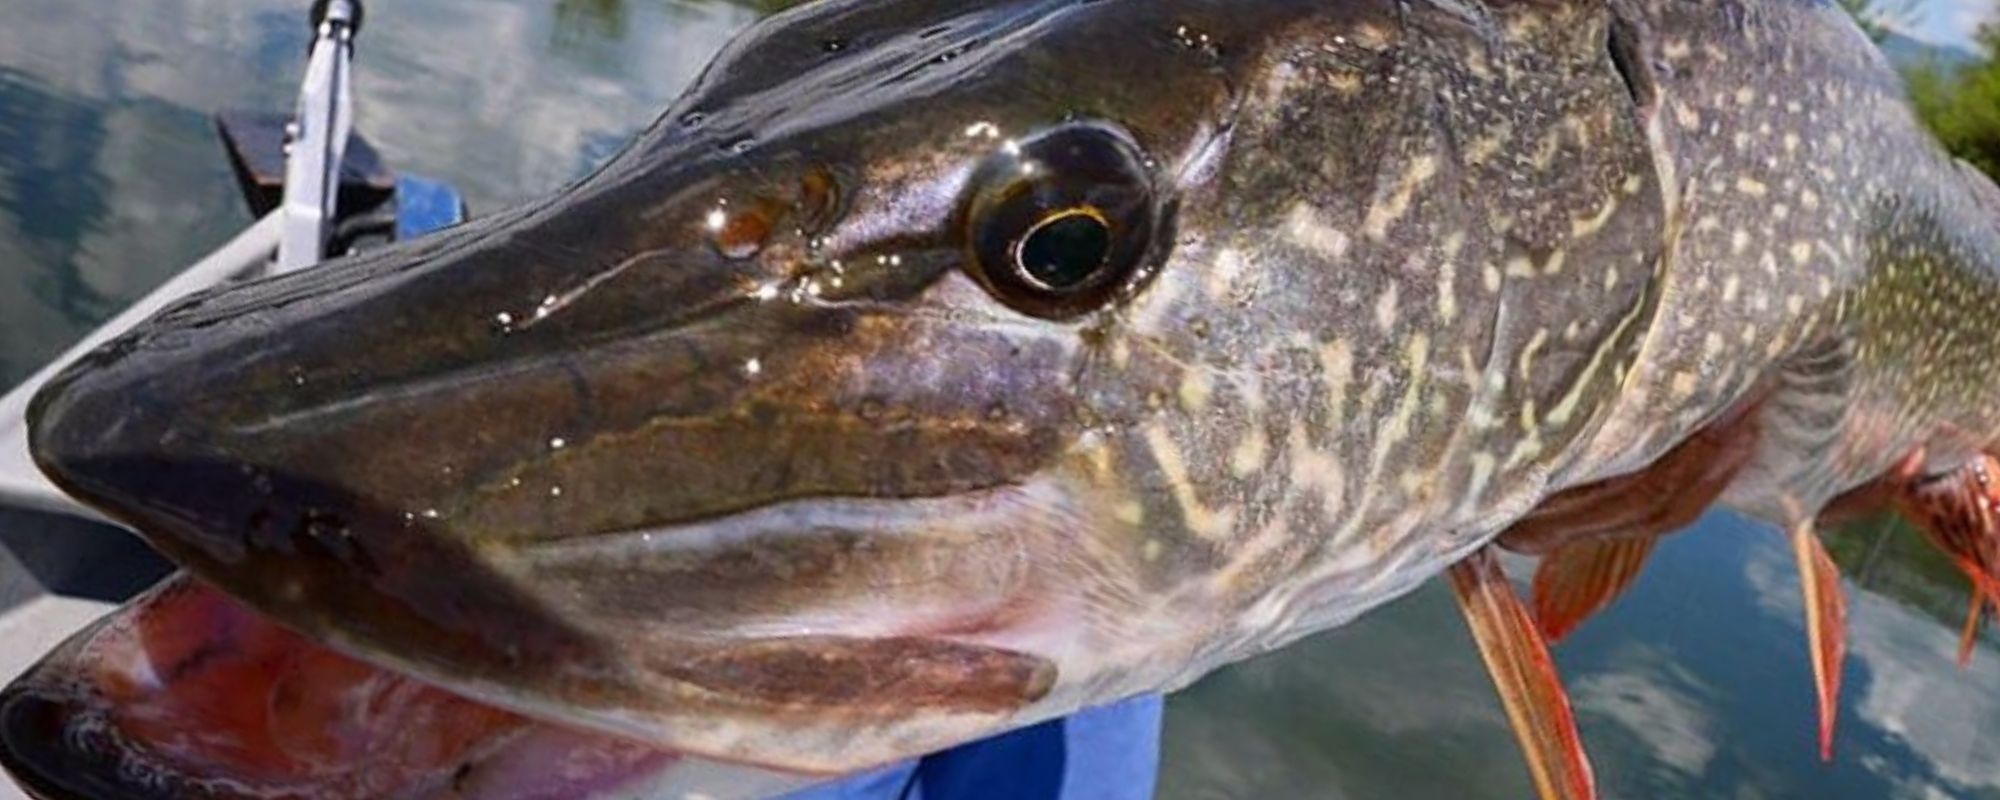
column 1108, row 753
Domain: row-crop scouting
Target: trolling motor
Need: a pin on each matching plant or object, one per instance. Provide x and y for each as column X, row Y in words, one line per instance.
column 328, row 184
column 317, row 137
column 317, row 189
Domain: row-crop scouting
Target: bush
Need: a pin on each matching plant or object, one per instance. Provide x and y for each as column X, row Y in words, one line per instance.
column 1962, row 105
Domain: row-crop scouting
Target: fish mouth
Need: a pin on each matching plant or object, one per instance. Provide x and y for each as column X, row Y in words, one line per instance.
column 186, row 693
column 718, row 659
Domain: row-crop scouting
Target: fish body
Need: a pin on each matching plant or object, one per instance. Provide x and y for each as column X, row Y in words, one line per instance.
column 933, row 368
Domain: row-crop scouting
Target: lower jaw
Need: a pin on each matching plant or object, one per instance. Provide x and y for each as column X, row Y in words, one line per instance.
column 186, row 693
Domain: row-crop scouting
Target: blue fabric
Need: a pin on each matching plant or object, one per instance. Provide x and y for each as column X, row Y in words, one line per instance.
column 1108, row 753
column 423, row 206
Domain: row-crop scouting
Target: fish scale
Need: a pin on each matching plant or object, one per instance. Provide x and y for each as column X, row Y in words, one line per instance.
column 1410, row 449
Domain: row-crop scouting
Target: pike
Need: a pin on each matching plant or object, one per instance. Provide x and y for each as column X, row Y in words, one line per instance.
column 935, row 368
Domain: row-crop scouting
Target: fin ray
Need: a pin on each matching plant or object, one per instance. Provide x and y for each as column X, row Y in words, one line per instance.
column 1826, row 626
column 1525, row 676
column 1581, row 578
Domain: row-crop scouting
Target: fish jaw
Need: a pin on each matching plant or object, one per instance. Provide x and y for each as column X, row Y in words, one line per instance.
column 821, row 634
column 803, row 683
column 184, row 692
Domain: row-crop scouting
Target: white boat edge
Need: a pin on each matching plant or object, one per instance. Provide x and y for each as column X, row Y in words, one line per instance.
column 22, row 485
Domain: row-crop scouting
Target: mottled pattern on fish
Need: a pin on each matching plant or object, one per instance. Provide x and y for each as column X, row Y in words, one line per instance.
column 751, row 404
column 1444, row 261
column 1558, row 284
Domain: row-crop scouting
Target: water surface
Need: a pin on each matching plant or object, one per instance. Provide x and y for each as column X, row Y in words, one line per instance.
column 1696, row 686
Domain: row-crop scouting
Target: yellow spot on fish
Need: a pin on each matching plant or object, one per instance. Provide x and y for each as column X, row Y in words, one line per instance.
column 1751, row 186
column 1545, row 153
column 1099, row 455
column 1312, row 470
column 1336, row 360
column 1196, row 388
column 1305, row 227
column 1688, row 118
column 1585, row 227
column 1417, row 358
column 1535, row 344
column 1684, row 384
column 1482, row 474
column 1527, row 448
column 1229, row 265
column 1454, row 242
column 1554, row 266
column 1203, row 521
column 1248, row 457
column 1482, row 149
column 1385, row 308
column 1387, row 212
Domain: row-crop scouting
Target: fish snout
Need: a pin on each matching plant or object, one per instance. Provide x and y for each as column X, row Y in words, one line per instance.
column 320, row 556
column 831, row 560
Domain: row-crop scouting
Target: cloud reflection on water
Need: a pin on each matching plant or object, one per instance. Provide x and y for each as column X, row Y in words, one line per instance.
column 111, row 178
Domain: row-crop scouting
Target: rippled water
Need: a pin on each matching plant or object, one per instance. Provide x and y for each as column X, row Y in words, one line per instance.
column 1696, row 685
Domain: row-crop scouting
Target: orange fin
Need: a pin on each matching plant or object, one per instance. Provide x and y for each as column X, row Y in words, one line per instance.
column 1969, row 637
column 1959, row 513
column 1582, row 577
column 1525, row 676
column 1826, row 626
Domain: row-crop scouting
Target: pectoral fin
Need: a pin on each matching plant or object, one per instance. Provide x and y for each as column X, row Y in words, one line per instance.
column 1525, row 676
column 1582, row 578
column 1595, row 538
column 1975, row 620
column 1826, row 626
column 1959, row 513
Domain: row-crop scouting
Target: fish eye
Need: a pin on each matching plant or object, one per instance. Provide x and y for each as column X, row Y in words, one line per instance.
column 1059, row 225
column 1065, row 249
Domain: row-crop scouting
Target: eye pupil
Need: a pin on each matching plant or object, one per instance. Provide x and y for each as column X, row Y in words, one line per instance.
column 1063, row 223
column 1065, row 249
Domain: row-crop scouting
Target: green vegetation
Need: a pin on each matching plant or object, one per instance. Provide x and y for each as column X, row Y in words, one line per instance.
column 1962, row 105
